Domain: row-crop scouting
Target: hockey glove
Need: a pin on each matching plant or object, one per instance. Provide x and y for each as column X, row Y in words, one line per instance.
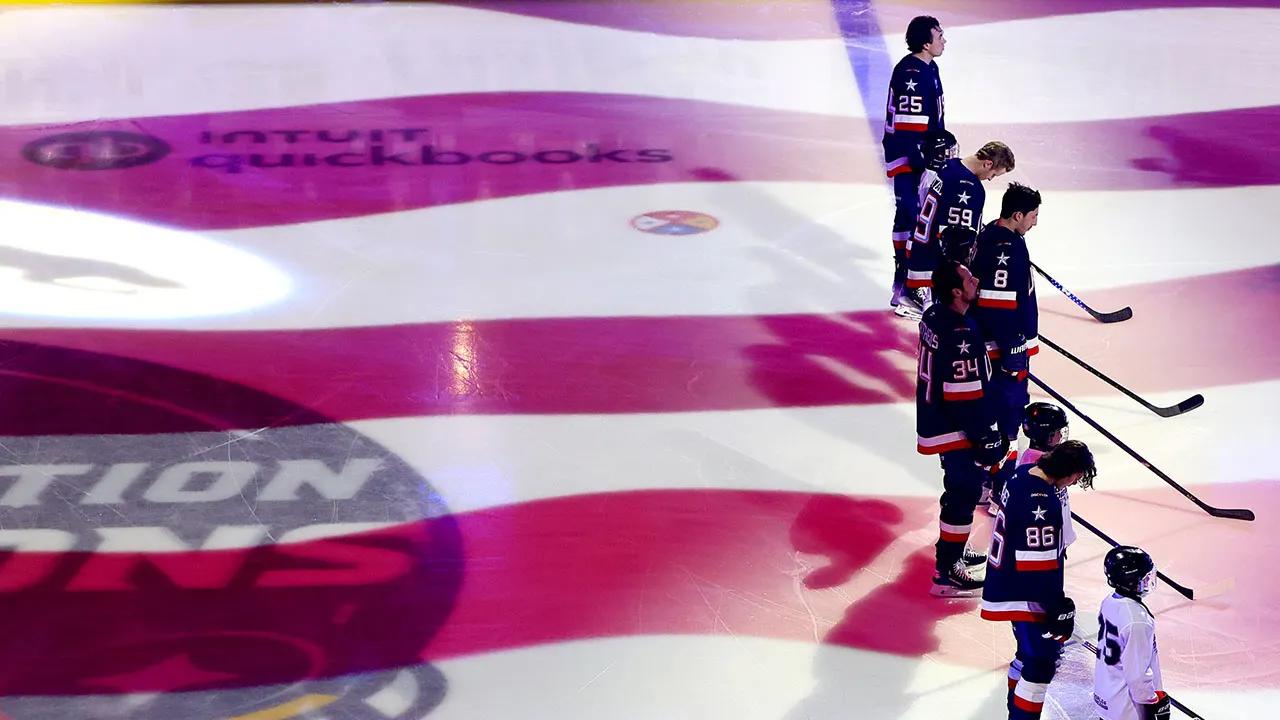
column 1159, row 710
column 990, row 447
column 1061, row 620
column 1013, row 360
column 921, row 297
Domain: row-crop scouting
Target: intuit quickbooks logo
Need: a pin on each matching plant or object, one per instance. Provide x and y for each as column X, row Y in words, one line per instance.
column 239, row 151
column 255, row 150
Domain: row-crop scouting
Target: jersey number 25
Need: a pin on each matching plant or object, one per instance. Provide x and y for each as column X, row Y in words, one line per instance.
column 1108, row 642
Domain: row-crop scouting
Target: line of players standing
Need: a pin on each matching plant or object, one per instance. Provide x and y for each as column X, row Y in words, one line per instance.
column 973, row 288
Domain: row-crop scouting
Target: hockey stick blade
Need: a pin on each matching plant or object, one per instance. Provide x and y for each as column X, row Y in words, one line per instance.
column 1229, row 513
column 1187, row 405
column 1172, row 701
column 1120, row 315
column 1182, row 590
column 1178, row 587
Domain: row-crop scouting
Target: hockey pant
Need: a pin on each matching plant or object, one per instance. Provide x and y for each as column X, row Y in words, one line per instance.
column 906, row 195
column 1031, row 671
column 1011, row 397
column 961, row 487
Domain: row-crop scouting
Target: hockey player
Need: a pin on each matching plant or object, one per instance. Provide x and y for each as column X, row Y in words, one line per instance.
column 915, row 109
column 1006, row 309
column 954, row 420
column 1126, row 679
column 1045, row 426
column 1024, row 582
column 955, row 198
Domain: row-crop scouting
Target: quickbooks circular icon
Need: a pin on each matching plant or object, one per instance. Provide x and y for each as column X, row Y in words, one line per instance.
column 95, row 150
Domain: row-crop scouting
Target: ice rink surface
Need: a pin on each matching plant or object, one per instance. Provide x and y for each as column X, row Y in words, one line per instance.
column 502, row 359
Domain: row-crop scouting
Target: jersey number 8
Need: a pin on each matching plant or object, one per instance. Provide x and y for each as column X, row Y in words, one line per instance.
column 1000, row 278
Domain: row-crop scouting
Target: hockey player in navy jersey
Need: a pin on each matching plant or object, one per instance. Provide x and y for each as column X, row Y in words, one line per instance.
column 1024, row 582
column 956, row 198
column 1045, row 427
column 1126, row 679
column 915, row 112
column 1006, row 310
column 955, row 420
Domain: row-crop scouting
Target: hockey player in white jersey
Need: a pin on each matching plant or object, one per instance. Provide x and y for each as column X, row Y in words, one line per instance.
column 1126, row 680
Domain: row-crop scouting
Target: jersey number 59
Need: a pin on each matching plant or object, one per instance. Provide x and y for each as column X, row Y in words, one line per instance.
column 960, row 216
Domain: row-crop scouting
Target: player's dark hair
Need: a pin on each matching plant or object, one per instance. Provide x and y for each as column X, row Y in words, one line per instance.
column 1018, row 198
column 998, row 153
column 946, row 277
column 920, row 32
column 1067, row 459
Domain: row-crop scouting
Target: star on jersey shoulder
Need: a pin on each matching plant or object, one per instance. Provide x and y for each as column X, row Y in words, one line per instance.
column 963, row 197
column 1039, row 512
column 963, row 347
column 1002, row 259
column 911, row 85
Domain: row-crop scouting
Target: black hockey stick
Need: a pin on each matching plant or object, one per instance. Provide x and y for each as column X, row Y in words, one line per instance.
column 1189, row 712
column 1187, row 405
column 1182, row 590
column 1120, row 315
column 1231, row 513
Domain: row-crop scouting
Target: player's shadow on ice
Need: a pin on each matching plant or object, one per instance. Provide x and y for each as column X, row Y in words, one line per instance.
column 47, row 269
column 1211, row 160
column 872, row 663
column 820, row 358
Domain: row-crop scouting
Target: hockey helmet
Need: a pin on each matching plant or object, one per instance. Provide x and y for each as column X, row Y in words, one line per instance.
column 1130, row 570
column 958, row 243
column 1040, row 421
column 937, row 147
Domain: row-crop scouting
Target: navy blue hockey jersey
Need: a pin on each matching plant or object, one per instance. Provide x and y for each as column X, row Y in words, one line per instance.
column 1006, row 311
column 952, row 377
column 1024, row 564
column 955, row 198
column 915, row 107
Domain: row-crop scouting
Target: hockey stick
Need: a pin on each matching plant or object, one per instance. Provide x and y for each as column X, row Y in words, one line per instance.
column 1231, row 513
column 1120, row 315
column 1182, row 590
column 1187, row 405
column 1189, row 712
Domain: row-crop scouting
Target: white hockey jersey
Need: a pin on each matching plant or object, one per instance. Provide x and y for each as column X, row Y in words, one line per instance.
column 1128, row 670
column 1029, row 456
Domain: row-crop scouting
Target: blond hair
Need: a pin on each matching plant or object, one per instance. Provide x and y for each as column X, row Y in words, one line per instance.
column 998, row 153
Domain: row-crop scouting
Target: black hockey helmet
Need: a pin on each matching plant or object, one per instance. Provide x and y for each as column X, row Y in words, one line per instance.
column 1130, row 570
column 958, row 243
column 1040, row 421
column 937, row 147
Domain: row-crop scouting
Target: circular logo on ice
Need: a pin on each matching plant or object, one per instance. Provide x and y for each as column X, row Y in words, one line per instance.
column 95, row 150
column 674, row 222
column 186, row 547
